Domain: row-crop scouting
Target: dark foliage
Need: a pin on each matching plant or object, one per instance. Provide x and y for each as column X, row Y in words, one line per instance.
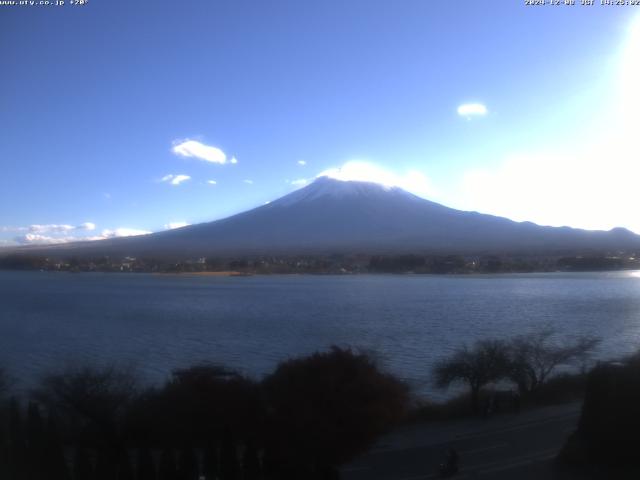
column 311, row 415
column 124, row 468
column 91, row 401
column 146, row 467
column 228, row 457
column 106, row 462
column 591, row 263
column 210, row 468
column 327, row 408
column 168, row 469
column 610, row 417
column 251, row 461
column 195, row 406
column 82, row 465
column 187, row 464
column 55, row 462
column 22, row 262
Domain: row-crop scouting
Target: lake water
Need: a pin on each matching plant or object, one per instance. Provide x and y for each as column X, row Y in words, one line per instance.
column 160, row 322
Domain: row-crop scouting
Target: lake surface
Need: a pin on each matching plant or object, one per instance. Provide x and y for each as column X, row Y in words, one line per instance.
column 160, row 322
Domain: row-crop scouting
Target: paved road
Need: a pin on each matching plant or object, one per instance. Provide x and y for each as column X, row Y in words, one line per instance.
column 509, row 446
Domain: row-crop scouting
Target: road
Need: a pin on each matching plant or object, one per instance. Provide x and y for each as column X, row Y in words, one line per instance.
column 520, row 446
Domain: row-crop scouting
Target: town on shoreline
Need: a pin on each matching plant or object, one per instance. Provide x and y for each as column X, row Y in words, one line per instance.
column 332, row 263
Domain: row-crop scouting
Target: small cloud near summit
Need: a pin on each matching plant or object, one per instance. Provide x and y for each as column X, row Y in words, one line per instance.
column 121, row 232
column 174, row 225
column 413, row 181
column 87, row 226
column 470, row 110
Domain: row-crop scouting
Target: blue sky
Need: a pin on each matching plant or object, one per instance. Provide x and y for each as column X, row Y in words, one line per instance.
column 106, row 108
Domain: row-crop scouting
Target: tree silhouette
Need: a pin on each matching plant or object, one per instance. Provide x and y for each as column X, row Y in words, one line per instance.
column 486, row 362
column 36, row 443
column 329, row 407
column 228, row 456
column 210, row 464
column 188, row 464
column 146, row 469
column 105, row 464
column 82, row 466
column 167, row 470
column 5, row 383
column 124, row 469
column 56, row 464
column 196, row 403
column 535, row 356
column 250, row 461
column 95, row 397
column 17, row 451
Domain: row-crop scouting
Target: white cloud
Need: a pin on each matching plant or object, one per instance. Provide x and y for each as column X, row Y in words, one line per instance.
column 51, row 228
column 173, row 225
column 43, row 239
column 472, row 110
column 13, row 229
column 38, row 239
column 413, row 181
column 248, row 182
column 302, row 162
column 175, row 179
column 234, row 160
column 122, row 232
column 87, row 226
column 178, row 179
column 212, row 182
column 195, row 149
column 55, row 228
column 300, row 182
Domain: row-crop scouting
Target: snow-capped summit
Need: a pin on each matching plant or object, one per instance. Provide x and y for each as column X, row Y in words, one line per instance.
column 327, row 188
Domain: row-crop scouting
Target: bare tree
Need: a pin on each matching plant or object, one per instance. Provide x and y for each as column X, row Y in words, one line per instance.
column 534, row 357
column 486, row 362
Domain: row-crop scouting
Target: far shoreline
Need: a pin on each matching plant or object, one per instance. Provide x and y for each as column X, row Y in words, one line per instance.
column 224, row 273
column 234, row 273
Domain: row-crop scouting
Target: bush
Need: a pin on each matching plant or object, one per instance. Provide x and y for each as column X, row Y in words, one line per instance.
column 329, row 407
column 195, row 405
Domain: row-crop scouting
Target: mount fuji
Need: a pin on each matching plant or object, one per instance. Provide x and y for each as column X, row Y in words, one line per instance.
column 333, row 216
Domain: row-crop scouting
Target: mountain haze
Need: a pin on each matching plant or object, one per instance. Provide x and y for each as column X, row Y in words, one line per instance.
column 332, row 216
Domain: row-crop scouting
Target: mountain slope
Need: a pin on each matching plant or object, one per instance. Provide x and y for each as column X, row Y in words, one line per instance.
column 336, row 216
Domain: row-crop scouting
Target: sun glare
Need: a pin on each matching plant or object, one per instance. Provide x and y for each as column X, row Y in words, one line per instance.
column 629, row 93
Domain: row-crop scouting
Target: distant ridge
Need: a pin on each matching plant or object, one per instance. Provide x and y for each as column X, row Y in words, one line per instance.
column 333, row 216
